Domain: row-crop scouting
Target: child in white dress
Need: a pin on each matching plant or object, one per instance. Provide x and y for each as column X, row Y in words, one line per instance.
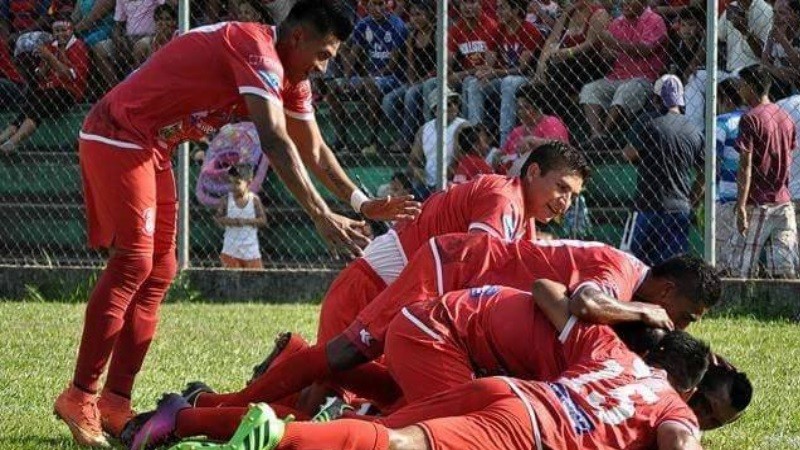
column 241, row 214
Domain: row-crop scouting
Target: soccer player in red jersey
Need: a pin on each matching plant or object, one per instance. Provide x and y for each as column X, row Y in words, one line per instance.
column 500, row 206
column 192, row 85
column 608, row 397
column 602, row 281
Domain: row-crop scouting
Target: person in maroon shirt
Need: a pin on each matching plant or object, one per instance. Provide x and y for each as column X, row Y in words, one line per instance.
column 764, row 211
column 61, row 81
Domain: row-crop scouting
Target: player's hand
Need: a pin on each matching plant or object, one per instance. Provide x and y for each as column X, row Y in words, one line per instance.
column 656, row 316
column 742, row 221
column 343, row 235
column 402, row 207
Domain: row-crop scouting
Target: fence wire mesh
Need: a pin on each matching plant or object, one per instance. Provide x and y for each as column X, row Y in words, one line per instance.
column 587, row 72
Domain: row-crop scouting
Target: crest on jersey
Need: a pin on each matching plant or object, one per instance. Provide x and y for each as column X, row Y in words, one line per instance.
column 509, row 226
column 149, row 216
column 271, row 79
column 483, row 290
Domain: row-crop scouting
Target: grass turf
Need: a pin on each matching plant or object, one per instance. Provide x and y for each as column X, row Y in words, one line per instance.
column 220, row 343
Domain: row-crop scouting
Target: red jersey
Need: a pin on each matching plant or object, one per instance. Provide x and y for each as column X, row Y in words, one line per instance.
column 7, row 68
column 511, row 45
column 470, row 46
column 76, row 57
column 192, row 86
column 470, row 166
column 608, row 398
column 490, row 203
column 503, row 332
column 475, row 260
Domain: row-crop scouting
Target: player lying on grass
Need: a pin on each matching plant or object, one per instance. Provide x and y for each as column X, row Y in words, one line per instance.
column 197, row 82
column 601, row 280
column 607, row 397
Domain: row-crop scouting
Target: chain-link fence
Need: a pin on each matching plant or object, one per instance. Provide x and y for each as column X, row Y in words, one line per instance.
column 520, row 72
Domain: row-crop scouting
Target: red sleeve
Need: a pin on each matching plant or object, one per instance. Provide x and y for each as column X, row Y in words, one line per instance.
column 655, row 30
column 496, row 209
column 532, row 39
column 677, row 411
column 78, row 57
column 297, row 101
column 747, row 134
column 452, row 39
column 254, row 61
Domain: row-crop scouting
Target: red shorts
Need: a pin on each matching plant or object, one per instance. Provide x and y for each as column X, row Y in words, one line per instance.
column 422, row 355
column 129, row 203
column 485, row 414
column 417, row 281
column 355, row 287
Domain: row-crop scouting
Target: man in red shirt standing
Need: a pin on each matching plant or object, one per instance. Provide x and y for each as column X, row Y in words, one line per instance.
column 764, row 211
column 193, row 85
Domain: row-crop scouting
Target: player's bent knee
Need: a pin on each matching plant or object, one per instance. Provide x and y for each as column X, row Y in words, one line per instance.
column 409, row 438
column 165, row 267
column 134, row 266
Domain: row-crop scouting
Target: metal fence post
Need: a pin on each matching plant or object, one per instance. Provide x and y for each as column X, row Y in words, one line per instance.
column 441, row 81
column 711, row 133
column 182, row 171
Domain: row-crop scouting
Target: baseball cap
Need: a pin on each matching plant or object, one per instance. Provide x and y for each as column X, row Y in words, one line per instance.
column 670, row 89
column 433, row 97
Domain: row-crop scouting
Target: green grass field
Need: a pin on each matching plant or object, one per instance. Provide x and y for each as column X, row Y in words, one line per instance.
column 220, row 343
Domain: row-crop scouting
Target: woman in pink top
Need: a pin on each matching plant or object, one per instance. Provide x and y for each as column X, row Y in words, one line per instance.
column 535, row 129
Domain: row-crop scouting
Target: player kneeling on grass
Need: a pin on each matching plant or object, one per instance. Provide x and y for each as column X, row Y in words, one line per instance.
column 607, row 397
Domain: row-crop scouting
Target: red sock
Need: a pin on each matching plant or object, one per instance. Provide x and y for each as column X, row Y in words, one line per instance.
column 105, row 313
column 217, row 424
column 141, row 320
column 288, row 377
column 344, row 434
column 371, row 381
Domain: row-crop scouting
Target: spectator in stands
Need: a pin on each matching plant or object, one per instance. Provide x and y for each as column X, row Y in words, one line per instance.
column 472, row 48
column 670, row 10
column 518, row 44
column 781, row 56
column 666, row 149
column 241, row 214
column 535, row 129
column 134, row 23
column 376, row 44
column 637, row 39
column 94, row 24
column 543, row 14
column 473, row 146
column 764, row 212
column 570, row 57
column 23, row 16
column 11, row 82
column 166, row 18
column 61, row 82
column 731, row 108
column 404, row 106
column 686, row 47
column 744, row 27
column 423, row 159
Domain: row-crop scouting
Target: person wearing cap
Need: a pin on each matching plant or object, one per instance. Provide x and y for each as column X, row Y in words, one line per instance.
column 423, row 161
column 666, row 149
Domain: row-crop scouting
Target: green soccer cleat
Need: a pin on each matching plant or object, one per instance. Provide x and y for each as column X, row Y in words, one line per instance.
column 332, row 409
column 260, row 429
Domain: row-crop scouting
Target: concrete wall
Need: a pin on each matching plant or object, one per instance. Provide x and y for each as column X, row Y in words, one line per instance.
column 767, row 299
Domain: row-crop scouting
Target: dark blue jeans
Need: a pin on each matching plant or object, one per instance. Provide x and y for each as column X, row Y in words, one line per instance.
column 658, row 236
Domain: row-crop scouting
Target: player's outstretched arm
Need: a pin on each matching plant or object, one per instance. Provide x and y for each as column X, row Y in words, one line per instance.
column 341, row 233
column 674, row 436
column 552, row 300
column 593, row 305
column 320, row 159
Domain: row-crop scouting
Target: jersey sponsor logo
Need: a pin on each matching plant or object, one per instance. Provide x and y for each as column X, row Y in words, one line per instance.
column 149, row 216
column 509, row 226
column 467, row 48
column 483, row 290
column 365, row 337
column 271, row 79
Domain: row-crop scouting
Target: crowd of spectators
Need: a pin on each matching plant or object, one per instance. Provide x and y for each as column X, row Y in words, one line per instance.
column 521, row 72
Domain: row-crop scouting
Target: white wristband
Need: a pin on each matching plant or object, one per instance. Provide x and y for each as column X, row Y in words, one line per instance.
column 357, row 198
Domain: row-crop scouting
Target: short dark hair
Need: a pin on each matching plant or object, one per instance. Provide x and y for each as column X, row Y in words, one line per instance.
column 694, row 13
column 519, row 6
column 241, row 171
column 469, row 135
column 693, row 278
column 325, row 17
column 729, row 89
column 758, row 78
column 638, row 337
column 739, row 386
column 555, row 155
column 683, row 356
